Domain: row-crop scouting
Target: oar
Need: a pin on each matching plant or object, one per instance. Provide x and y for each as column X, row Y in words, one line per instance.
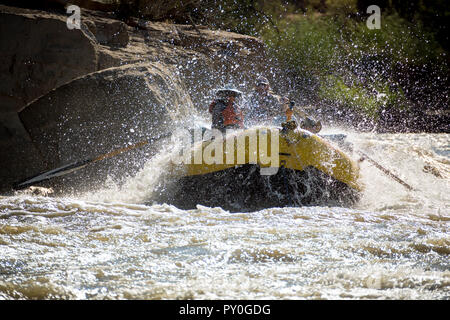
column 68, row 168
column 384, row 170
column 376, row 164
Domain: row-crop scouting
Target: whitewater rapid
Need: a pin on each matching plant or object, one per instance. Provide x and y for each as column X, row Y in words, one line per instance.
column 111, row 243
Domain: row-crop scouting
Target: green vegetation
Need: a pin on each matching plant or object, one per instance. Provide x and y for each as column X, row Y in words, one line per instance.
column 356, row 69
column 326, row 48
column 360, row 98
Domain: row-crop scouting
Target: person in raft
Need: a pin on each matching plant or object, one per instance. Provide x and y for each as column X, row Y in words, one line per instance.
column 265, row 107
column 226, row 110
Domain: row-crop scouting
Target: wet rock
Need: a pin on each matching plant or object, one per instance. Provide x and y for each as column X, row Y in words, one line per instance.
column 70, row 109
column 39, row 53
column 109, row 32
column 106, row 111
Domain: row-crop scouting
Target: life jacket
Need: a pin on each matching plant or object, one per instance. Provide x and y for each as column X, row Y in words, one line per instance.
column 289, row 112
column 225, row 113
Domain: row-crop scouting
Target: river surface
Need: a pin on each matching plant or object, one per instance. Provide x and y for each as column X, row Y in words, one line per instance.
column 110, row 244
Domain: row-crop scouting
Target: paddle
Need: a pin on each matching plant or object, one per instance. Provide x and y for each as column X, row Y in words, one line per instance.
column 68, row 168
column 384, row 170
column 316, row 127
column 339, row 139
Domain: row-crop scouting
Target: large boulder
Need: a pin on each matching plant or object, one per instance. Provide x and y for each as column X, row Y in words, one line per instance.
column 41, row 60
column 19, row 158
column 40, row 53
column 109, row 32
column 106, row 111
column 208, row 59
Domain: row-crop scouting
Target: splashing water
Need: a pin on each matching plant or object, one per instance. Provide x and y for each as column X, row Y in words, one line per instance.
column 109, row 244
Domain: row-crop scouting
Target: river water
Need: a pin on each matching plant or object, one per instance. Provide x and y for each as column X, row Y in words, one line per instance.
column 110, row 244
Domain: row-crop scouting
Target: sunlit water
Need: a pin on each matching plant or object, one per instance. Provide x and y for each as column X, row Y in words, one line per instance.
column 108, row 244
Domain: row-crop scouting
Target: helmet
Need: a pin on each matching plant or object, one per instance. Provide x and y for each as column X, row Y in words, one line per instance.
column 262, row 80
column 229, row 90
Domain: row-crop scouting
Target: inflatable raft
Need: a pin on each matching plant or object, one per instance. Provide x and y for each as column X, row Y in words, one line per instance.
column 261, row 167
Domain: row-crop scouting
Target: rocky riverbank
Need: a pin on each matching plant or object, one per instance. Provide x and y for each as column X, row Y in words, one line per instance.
column 70, row 94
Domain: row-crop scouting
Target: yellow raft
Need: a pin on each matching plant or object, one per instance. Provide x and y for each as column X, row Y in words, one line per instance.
column 262, row 167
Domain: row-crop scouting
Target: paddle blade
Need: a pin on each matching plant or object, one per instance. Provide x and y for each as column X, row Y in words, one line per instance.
column 51, row 174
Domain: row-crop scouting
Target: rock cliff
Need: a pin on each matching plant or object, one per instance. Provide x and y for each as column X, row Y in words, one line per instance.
column 70, row 94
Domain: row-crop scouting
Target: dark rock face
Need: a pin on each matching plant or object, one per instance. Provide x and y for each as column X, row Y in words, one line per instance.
column 110, row 33
column 104, row 111
column 39, row 54
column 19, row 158
column 125, row 104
